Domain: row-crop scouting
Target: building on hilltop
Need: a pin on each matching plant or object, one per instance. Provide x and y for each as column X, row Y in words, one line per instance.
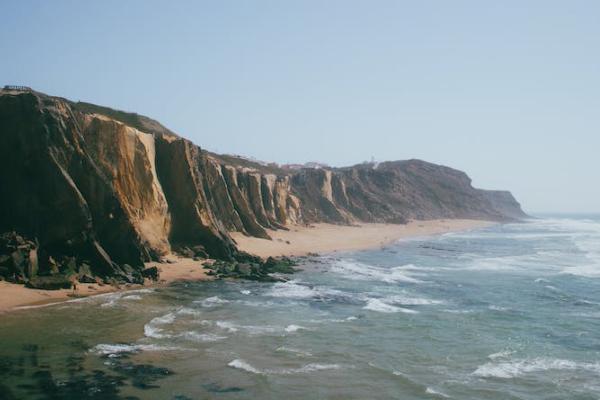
column 17, row 87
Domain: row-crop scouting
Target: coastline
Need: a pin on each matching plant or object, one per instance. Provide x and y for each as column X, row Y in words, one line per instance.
column 298, row 241
column 329, row 238
column 14, row 297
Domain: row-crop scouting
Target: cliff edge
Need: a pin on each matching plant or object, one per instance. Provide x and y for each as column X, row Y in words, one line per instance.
column 105, row 189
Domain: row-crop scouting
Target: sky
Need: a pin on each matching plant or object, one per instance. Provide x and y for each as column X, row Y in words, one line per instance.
column 507, row 91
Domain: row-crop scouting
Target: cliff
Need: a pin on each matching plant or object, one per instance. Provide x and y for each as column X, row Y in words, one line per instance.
column 110, row 189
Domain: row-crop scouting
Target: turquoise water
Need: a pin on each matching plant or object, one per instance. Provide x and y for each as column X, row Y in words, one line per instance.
column 506, row 312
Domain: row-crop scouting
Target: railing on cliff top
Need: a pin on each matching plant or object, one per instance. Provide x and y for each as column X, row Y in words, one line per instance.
column 16, row 87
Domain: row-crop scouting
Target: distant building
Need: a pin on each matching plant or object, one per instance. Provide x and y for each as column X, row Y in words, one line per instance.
column 16, row 87
column 310, row 165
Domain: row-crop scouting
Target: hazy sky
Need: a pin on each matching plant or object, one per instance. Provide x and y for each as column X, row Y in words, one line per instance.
column 508, row 91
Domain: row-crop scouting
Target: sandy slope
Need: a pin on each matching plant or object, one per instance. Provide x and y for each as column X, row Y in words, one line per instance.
column 327, row 238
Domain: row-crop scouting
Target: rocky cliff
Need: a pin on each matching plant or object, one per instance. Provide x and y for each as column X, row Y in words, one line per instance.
column 112, row 189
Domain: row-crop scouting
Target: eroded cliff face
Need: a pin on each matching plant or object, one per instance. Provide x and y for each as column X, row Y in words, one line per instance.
column 114, row 188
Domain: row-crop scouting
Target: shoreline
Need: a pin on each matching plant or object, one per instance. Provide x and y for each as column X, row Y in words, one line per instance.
column 298, row 241
column 329, row 238
column 15, row 297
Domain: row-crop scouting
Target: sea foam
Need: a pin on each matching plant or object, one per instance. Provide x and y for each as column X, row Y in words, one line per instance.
column 515, row 368
column 380, row 306
column 312, row 367
column 354, row 270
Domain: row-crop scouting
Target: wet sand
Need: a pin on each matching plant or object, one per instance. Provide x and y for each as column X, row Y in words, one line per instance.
column 328, row 238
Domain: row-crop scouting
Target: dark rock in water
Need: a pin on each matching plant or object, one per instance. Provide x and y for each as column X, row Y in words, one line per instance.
column 282, row 265
column 151, row 273
column 49, row 282
column 142, row 376
column 243, row 269
column 216, row 388
column 256, row 271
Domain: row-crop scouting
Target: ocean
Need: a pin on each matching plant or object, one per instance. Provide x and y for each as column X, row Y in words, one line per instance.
column 506, row 312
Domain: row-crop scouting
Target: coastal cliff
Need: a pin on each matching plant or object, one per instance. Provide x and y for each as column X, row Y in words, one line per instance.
column 89, row 185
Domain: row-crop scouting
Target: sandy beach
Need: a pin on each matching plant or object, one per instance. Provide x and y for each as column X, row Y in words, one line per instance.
column 299, row 240
column 328, row 238
column 15, row 297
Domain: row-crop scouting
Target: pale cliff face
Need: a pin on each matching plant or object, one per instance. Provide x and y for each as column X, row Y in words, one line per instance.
column 128, row 157
column 113, row 187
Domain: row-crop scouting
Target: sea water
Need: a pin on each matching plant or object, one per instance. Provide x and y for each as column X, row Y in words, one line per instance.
column 506, row 312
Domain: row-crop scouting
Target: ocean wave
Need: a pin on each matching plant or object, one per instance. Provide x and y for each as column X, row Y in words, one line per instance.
column 501, row 354
column 351, row 269
column 211, row 301
column 515, row 368
column 132, row 297
column 250, row 329
column 294, row 328
column 294, row 351
column 243, row 365
column 116, row 349
column 411, row 301
column 254, row 329
column 296, row 290
column 379, row 306
column 112, row 299
column 587, row 271
column 201, row 337
column 189, row 311
column 434, row 392
column 313, row 367
column 153, row 330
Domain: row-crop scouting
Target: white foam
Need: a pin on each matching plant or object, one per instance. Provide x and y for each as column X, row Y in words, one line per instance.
column 189, row 311
column 501, row 354
column 351, row 269
column 380, row 306
column 212, row 301
column 293, row 290
column 246, row 292
column 202, row 337
column 112, row 299
column 250, row 329
column 515, row 368
column 412, row 301
column 114, row 349
column 588, row 271
column 152, row 329
column 244, row 365
column 132, row 297
column 293, row 328
column 294, row 351
column 434, row 392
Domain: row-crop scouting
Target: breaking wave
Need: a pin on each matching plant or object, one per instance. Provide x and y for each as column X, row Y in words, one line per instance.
column 380, row 306
column 313, row 367
column 515, row 368
column 350, row 269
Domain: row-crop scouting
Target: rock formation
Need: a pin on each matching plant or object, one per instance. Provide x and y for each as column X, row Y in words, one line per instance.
column 111, row 190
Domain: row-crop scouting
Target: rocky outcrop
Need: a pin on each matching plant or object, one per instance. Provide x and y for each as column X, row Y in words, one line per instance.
column 109, row 190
